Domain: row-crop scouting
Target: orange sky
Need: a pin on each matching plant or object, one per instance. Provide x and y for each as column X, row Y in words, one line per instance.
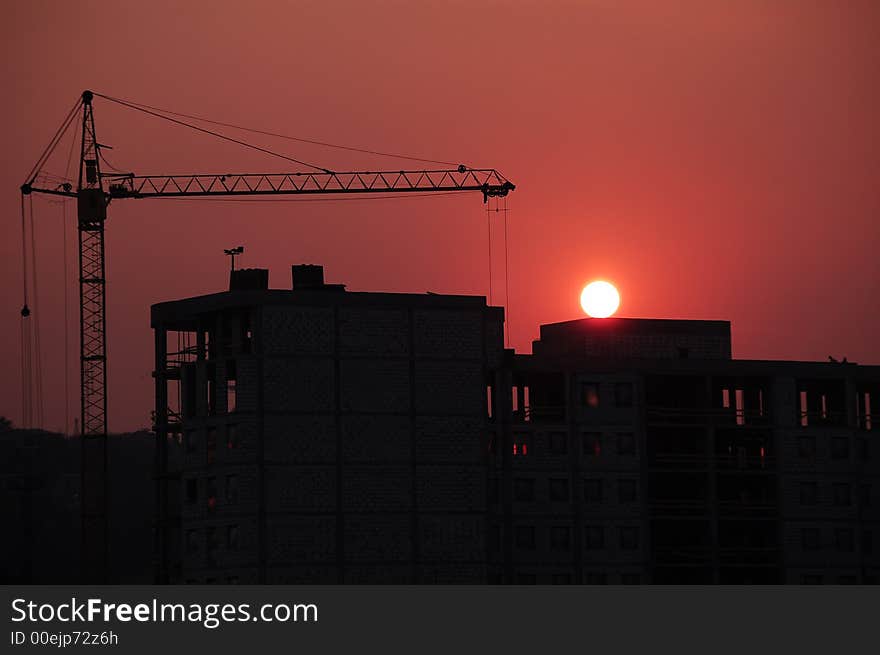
column 715, row 160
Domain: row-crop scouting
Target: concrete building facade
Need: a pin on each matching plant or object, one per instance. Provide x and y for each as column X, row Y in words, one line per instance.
column 317, row 435
column 638, row 451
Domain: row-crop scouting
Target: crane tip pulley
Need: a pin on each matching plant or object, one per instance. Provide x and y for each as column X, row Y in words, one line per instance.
column 497, row 191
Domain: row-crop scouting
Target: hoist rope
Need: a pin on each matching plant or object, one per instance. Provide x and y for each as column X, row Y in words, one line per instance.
column 66, row 277
column 26, row 417
column 506, row 277
column 489, row 232
column 23, row 257
column 66, row 329
column 25, row 329
column 37, row 352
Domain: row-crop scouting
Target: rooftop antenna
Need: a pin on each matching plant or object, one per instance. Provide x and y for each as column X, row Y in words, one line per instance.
column 232, row 252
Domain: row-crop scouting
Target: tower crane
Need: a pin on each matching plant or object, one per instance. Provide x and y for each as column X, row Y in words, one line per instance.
column 92, row 199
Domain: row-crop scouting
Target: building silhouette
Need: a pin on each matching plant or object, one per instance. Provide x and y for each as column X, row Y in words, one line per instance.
column 318, row 435
column 638, row 451
column 315, row 435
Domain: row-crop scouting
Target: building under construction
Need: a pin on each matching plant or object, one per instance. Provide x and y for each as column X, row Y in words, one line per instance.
column 637, row 451
column 319, row 435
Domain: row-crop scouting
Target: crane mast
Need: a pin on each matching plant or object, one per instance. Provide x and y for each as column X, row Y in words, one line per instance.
column 91, row 214
column 92, row 201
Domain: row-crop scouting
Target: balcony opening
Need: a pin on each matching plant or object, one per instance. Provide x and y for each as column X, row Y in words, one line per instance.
column 231, row 400
column 174, row 392
column 210, row 391
column 590, row 394
column 544, row 399
column 188, row 391
column 181, row 347
column 863, row 410
column 822, row 402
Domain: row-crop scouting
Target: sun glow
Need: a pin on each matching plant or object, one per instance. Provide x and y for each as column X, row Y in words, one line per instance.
column 600, row 299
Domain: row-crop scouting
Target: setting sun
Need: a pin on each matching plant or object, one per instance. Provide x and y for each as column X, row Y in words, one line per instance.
column 600, row 299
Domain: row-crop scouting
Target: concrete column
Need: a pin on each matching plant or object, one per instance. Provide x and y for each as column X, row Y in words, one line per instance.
column 161, row 462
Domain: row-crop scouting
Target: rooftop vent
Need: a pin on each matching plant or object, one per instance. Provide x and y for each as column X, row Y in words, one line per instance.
column 307, row 276
column 249, row 279
column 311, row 277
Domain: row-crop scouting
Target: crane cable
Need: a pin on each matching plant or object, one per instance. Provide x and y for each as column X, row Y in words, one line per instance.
column 506, row 277
column 31, row 346
column 65, row 124
column 26, row 416
column 38, row 358
column 31, row 358
column 280, row 136
column 489, row 231
column 66, row 276
column 500, row 207
column 212, row 133
column 66, row 331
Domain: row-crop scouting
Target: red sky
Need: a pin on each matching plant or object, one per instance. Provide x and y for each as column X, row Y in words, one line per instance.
column 715, row 160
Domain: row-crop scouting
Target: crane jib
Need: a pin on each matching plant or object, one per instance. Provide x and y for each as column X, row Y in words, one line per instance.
column 488, row 182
